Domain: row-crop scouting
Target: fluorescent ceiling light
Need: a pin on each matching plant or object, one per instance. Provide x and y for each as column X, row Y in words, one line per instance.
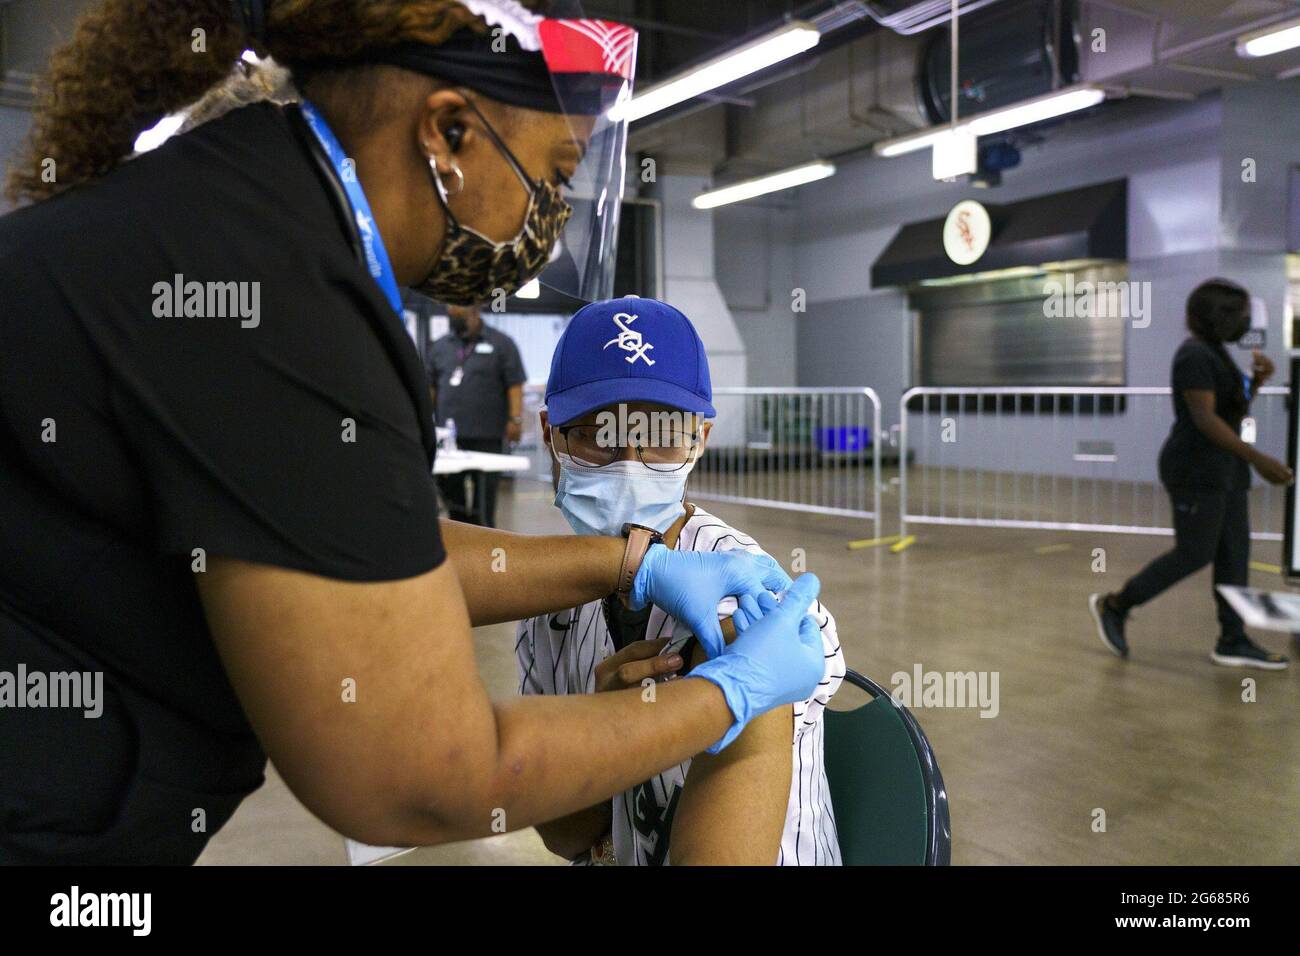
column 530, row 290
column 793, row 38
column 910, row 143
column 159, row 133
column 1036, row 110
column 1274, row 39
column 748, row 189
column 1057, row 103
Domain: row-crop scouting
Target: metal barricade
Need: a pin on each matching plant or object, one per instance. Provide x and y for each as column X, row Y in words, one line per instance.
column 1066, row 458
column 800, row 449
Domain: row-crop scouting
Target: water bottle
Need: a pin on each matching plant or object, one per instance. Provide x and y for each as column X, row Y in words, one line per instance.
column 451, row 434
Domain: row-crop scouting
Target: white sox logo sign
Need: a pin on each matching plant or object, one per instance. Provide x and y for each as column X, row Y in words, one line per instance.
column 630, row 340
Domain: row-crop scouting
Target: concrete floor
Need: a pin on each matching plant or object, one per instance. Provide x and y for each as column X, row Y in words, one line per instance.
column 1185, row 771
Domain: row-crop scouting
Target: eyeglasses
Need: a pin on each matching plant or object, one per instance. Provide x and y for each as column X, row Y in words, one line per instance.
column 672, row 450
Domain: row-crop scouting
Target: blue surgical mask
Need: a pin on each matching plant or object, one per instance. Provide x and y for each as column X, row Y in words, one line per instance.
column 601, row 500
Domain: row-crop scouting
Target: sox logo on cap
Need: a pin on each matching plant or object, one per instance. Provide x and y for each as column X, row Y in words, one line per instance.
column 630, row 340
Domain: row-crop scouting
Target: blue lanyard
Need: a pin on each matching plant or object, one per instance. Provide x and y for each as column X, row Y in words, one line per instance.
column 372, row 243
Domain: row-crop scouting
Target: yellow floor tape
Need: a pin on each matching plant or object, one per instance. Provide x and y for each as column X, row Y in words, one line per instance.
column 1052, row 549
column 904, row 544
column 1268, row 568
column 872, row 542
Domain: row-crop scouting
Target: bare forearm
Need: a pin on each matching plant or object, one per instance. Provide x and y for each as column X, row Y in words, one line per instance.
column 515, row 400
column 553, row 756
column 510, row 577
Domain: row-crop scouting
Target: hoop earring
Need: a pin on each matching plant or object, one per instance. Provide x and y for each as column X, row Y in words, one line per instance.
column 460, row 177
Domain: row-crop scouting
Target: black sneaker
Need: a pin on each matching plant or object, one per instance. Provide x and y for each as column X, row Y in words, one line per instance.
column 1243, row 652
column 1110, row 624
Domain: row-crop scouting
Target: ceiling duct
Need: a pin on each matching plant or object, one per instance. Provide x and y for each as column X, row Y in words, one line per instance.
column 854, row 95
column 1016, row 52
column 880, row 85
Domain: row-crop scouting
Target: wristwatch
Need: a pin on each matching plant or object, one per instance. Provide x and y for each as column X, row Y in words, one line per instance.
column 516, row 420
column 639, row 540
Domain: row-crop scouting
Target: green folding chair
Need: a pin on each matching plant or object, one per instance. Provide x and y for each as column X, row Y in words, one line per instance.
column 891, row 808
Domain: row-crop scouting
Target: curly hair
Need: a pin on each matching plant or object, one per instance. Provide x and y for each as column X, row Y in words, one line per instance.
column 132, row 62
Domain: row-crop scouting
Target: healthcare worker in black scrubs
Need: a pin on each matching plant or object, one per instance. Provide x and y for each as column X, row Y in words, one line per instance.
column 1205, row 467
column 215, row 437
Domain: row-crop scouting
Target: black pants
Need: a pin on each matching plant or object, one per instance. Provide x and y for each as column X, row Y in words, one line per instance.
column 1208, row 526
column 461, row 507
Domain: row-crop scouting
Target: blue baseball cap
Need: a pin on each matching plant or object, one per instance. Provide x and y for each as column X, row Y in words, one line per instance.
column 628, row 350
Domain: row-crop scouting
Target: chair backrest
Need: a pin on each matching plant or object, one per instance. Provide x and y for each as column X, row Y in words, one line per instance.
column 891, row 807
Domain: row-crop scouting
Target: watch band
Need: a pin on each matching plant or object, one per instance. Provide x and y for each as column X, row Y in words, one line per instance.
column 639, row 538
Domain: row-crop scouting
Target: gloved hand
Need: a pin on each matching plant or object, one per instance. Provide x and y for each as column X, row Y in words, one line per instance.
column 689, row 585
column 777, row 657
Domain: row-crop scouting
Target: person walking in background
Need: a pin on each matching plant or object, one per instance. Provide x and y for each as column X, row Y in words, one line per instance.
column 1205, row 467
column 477, row 382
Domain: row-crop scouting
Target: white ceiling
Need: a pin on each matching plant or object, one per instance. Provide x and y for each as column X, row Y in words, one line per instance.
column 1190, row 45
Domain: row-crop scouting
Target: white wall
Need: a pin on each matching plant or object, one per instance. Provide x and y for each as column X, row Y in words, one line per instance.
column 690, row 284
column 1167, row 151
column 823, row 239
column 1189, row 219
column 754, row 254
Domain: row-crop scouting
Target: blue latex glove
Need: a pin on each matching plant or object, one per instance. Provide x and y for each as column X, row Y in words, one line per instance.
column 690, row 584
column 777, row 657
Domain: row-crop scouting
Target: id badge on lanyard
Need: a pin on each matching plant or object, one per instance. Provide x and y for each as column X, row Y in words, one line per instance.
column 458, row 375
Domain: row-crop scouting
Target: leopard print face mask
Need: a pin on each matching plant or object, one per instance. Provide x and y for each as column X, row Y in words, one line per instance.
column 473, row 267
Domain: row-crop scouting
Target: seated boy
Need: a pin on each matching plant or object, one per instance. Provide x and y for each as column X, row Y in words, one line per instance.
column 625, row 421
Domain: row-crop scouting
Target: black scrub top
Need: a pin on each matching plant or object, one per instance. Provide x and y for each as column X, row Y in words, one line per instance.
column 289, row 427
column 1190, row 461
column 489, row 366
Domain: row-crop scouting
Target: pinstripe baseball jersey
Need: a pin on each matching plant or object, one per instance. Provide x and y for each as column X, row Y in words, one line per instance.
column 558, row 654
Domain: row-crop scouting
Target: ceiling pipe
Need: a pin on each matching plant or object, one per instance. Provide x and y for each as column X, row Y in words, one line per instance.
column 1193, row 46
column 920, row 16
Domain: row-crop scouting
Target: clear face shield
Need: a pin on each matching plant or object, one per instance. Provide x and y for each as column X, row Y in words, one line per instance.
column 591, row 64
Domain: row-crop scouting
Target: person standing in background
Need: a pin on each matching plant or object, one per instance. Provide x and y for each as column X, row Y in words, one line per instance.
column 477, row 380
column 1205, row 467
